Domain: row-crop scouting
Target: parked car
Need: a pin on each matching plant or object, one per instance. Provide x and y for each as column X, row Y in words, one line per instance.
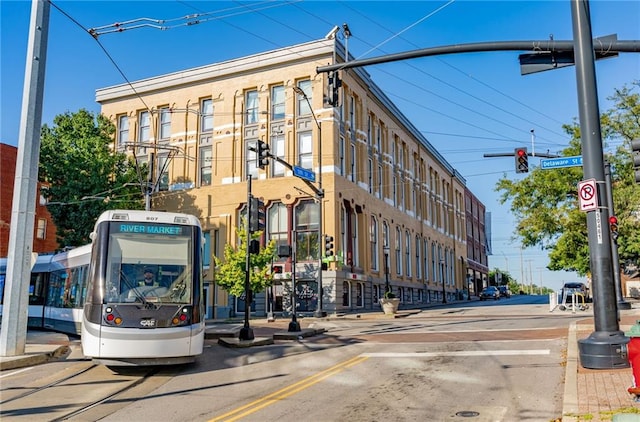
column 490, row 292
column 569, row 289
column 504, row 291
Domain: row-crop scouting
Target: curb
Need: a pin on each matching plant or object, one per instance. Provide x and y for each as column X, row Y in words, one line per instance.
column 570, row 400
column 34, row 358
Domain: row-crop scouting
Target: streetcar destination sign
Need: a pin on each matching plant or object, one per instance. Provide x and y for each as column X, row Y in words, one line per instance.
column 555, row 163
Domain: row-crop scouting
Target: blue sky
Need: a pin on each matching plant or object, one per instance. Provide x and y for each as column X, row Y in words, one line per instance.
column 466, row 105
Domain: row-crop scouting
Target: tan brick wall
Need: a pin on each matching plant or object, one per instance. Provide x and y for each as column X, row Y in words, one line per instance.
column 417, row 168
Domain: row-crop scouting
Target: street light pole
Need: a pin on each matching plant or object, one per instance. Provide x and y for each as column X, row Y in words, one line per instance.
column 294, row 325
column 318, row 313
column 387, row 287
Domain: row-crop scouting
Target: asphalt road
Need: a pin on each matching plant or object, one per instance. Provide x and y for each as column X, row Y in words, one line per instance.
column 480, row 361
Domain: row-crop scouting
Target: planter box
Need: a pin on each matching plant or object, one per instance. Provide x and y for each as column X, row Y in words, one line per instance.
column 390, row 306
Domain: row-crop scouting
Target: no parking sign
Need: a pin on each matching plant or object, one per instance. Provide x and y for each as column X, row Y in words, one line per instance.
column 588, row 195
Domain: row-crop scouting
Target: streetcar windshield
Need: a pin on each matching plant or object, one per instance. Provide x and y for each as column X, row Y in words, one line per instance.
column 149, row 262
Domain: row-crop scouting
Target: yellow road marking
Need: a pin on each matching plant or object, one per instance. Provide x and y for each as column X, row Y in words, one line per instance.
column 287, row 391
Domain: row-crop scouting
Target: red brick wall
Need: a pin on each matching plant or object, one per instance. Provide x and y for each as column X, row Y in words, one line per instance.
column 8, row 157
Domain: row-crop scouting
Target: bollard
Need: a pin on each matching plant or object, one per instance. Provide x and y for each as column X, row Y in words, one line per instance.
column 633, row 354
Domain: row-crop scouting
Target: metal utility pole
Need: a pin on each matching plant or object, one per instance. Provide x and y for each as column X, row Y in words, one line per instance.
column 318, row 313
column 615, row 259
column 294, row 325
column 246, row 332
column 605, row 346
column 13, row 335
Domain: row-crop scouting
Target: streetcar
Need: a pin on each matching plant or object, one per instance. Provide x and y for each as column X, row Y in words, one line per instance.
column 127, row 322
column 57, row 288
column 38, row 284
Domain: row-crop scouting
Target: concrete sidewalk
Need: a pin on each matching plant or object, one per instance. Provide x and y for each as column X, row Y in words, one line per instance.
column 597, row 395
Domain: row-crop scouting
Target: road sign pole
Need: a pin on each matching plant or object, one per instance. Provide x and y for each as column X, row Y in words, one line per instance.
column 604, row 347
column 622, row 304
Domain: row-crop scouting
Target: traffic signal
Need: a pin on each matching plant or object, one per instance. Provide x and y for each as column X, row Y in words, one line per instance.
column 635, row 157
column 522, row 160
column 263, row 154
column 334, row 89
column 328, row 245
column 613, row 226
column 257, row 217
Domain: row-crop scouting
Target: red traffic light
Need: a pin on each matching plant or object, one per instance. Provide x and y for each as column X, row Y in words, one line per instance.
column 613, row 220
column 521, row 152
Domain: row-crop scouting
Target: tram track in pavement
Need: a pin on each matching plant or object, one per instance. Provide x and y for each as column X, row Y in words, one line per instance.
column 85, row 391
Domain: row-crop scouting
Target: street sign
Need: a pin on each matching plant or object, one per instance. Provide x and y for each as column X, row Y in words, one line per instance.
column 588, row 195
column 549, row 60
column 556, row 163
column 304, row 174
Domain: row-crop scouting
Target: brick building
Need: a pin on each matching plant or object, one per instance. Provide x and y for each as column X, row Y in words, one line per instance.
column 44, row 234
column 477, row 243
column 389, row 197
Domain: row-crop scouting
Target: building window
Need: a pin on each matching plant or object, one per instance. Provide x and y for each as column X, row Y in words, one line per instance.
column 434, row 269
column 353, row 162
column 165, row 123
column 385, row 234
column 352, row 115
column 370, row 175
column 123, row 129
column 379, row 181
column 346, row 294
column 395, row 191
column 303, row 105
column 341, row 151
column 277, row 225
column 407, row 252
column 377, row 294
column 206, row 115
column 418, row 259
column 277, row 102
column 359, row 295
column 277, row 148
column 306, row 226
column 425, row 258
column 373, row 238
column 41, row 230
column 252, row 158
column 305, row 150
column 206, row 160
column 252, row 107
column 398, row 248
column 144, row 129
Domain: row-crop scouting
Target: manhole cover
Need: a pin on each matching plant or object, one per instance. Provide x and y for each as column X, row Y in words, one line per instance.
column 468, row 414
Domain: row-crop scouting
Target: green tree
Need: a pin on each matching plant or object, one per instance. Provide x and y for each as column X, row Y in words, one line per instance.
column 230, row 273
column 545, row 202
column 82, row 176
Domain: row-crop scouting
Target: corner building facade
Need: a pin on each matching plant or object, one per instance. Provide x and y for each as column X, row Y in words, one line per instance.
column 354, row 169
